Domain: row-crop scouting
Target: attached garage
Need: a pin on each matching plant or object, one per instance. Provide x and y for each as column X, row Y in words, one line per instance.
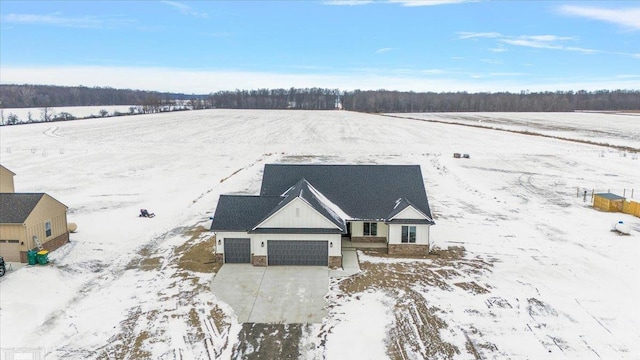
column 297, row 252
column 10, row 250
column 237, row 251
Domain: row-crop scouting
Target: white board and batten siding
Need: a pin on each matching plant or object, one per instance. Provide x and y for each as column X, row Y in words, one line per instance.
column 410, row 213
column 357, row 228
column 297, row 214
column 422, row 230
column 422, row 234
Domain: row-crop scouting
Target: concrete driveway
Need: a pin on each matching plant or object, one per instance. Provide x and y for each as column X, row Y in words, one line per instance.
column 273, row 294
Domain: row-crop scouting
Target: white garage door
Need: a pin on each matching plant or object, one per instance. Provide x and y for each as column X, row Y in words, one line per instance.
column 10, row 250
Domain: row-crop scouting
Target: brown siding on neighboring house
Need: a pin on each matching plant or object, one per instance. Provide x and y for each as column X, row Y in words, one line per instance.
column 6, row 180
column 49, row 210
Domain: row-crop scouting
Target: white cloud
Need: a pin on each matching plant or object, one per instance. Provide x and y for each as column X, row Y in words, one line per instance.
column 629, row 18
column 205, row 81
column 57, row 19
column 471, row 35
column 554, row 42
column 185, row 9
column 383, row 50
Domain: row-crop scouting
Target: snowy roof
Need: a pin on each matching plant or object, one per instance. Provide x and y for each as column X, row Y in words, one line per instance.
column 305, row 191
column 365, row 192
column 16, row 207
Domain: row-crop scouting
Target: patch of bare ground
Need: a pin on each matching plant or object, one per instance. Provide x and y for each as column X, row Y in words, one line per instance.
column 418, row 327
column 269, row 341
column 207, row 325
column 198, row 256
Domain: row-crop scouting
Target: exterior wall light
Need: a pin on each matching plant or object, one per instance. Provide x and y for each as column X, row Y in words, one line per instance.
column 331, row 244
column 219, row 242
column 262, row 244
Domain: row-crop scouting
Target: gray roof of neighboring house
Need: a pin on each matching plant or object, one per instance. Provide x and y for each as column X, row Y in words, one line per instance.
column 367, row 192
column 16, row 207
column 610, row 196
column 242, row 212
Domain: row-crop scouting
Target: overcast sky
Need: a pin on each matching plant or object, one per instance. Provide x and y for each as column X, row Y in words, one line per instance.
column 202, row 47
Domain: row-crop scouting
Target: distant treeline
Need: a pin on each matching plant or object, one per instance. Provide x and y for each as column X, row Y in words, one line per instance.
column 39, row 96
column 15, row 96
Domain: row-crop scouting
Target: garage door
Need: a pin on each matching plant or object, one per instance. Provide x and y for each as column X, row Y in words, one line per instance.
column 297, row 252
column 237, row 251
column 10, row 250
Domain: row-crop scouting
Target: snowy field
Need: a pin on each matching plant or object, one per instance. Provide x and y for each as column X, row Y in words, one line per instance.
column 604, row 128
column 560, row 284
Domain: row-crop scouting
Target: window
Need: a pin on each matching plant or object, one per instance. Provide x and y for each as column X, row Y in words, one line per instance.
column 370, row 229
column 408, row 234
column 47, row 228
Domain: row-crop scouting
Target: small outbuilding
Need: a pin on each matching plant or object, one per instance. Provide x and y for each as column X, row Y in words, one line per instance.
column 608, row 202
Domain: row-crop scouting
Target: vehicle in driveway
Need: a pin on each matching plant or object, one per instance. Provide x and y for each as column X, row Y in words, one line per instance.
column 3, row 268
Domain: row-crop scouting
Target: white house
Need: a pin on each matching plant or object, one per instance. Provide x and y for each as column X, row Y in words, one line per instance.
column 304, row 211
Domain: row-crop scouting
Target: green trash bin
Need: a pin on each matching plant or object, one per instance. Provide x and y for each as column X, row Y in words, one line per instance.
column 43, row 257
column 31, row 257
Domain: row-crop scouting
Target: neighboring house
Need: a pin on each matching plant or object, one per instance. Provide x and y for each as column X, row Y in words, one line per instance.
column 6, row 180
column 304, row 211
column 25, row 217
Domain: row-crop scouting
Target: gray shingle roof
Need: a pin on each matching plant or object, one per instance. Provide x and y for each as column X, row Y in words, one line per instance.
column 338, row 192
column 242, row 213
column 16, row 207
column 302, row 189
column 367, row 192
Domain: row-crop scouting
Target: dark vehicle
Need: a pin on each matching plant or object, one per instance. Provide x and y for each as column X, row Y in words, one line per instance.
column 145, row 213
column 3, row 268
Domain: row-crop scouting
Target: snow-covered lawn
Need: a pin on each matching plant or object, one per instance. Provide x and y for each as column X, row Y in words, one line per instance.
column 557, row 282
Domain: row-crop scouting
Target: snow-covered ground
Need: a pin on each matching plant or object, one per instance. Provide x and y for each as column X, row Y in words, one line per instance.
column 621, row 129
column 560, row 281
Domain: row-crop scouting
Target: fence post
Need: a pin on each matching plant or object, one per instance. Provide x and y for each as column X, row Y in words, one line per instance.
column 592, row 193
column 578, row 191
column 624, row 193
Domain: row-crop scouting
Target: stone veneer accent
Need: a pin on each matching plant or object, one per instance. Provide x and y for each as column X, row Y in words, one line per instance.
column 335, row 262
column 369, row 239
column 258, row 260
column 408, row 249
column 49, row 245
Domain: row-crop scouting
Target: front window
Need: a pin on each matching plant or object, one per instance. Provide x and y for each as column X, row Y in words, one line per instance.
column 370, row 229
column 47, row 228
column 408, row 234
